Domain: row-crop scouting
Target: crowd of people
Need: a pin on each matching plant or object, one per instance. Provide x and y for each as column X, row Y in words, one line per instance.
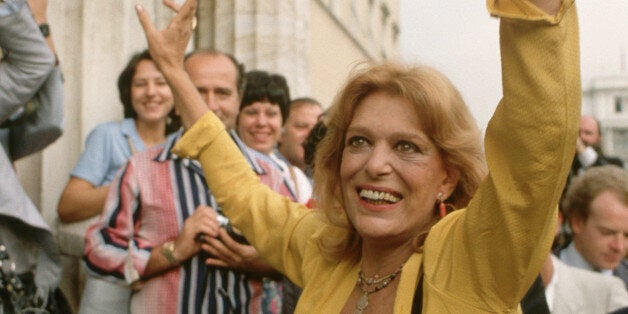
column 219, row 193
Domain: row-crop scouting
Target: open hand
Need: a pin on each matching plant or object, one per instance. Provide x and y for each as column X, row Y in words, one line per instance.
column 167, row 46
column 226, row 252
column 202, row 221
column 580, row 146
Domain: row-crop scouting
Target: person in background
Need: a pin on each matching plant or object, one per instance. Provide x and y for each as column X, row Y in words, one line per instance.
column 588, row 154
column 402, row 150
column 589, row 148
column 263, row 110
column 311, row 141
column 596, row 208
column 302, row 116
column 29, row 255
column 563, row 289
column 264, row 107
column 148, row 119
column 574, row 290
column 28, row 54
column 160, row 211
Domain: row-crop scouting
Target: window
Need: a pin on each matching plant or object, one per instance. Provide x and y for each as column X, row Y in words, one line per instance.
column 619, row 103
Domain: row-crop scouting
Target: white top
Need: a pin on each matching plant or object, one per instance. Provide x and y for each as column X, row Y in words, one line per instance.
column 587, row 158
column 298, row 182
column 550, row 289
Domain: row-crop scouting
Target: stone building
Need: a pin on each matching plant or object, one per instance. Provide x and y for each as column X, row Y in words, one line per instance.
column 314, row 43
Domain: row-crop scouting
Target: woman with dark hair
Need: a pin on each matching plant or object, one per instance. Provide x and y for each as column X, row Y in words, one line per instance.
column 148, row 110
column 263, row 111
column 409, row 219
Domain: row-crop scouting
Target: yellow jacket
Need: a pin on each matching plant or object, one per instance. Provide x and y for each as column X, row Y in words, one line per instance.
column 479, row 259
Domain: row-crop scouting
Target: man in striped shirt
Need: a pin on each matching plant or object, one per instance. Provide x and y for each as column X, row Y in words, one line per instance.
column 160, row 210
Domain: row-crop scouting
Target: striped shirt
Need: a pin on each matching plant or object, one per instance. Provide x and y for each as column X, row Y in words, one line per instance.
column 147, row 205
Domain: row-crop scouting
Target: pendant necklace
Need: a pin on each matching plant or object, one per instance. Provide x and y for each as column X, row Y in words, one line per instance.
column 370, row 285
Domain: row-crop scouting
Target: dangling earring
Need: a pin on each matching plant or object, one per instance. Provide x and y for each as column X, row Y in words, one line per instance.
column 442, row 209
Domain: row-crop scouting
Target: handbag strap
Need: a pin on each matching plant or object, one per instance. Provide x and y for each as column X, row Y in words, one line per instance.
column 131, row 146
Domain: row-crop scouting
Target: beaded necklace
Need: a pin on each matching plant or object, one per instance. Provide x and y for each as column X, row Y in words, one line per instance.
column 370, row 285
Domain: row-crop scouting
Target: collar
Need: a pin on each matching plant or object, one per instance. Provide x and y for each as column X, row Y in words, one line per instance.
column 167, row 153
column 282, row 164
column 572, row 257
column 127, row 127
column 249, row 154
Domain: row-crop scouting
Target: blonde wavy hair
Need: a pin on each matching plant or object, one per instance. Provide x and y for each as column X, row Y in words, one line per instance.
column 444, row 117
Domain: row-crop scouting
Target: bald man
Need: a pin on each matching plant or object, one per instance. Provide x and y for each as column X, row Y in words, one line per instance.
column 589, row 148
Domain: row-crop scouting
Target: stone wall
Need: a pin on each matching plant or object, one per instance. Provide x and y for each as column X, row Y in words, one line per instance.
column 308, row 41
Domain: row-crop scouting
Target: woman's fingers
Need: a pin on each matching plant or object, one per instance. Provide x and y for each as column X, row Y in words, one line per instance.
column 145, row 21
column 167, row 46
column 172, row 5
column 215, row 262
column 185, row 15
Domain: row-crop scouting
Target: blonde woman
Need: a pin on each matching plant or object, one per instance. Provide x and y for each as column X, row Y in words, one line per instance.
column 401, row 152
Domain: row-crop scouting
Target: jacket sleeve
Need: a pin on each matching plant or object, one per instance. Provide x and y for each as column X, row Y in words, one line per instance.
column 110, row 247
column 27, row 61
column 268, row 220
column 490, row 253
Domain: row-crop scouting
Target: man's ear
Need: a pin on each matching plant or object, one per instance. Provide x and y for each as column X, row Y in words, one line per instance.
column 576, row 223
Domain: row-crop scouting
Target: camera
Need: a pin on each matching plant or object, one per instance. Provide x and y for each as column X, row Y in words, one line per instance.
column 223, row 222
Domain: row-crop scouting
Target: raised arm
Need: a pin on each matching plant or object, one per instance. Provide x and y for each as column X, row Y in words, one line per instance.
column 227, row 172
column 504, row 236
column 550, row 7
column 167, row 48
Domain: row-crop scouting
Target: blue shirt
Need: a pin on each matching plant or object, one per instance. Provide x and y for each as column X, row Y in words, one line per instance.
column 106, row 150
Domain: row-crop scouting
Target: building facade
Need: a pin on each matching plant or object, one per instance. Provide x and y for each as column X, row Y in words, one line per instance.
column 314, row 43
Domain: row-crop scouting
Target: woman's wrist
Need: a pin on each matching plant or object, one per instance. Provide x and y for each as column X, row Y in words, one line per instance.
column 551, row 7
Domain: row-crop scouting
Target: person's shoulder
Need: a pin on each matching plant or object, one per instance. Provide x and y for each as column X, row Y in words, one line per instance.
column 587, row 290
column 586, row 277
column 107, row 128
column 621, row 271
column 615, row 161
column 102, row 135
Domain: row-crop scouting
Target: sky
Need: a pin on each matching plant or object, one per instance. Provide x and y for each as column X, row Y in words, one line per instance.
column 459, row 38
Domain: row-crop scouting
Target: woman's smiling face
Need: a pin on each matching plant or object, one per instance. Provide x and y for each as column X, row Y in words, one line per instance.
column 391, row 172
column 151, row 97
column 259, row 126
